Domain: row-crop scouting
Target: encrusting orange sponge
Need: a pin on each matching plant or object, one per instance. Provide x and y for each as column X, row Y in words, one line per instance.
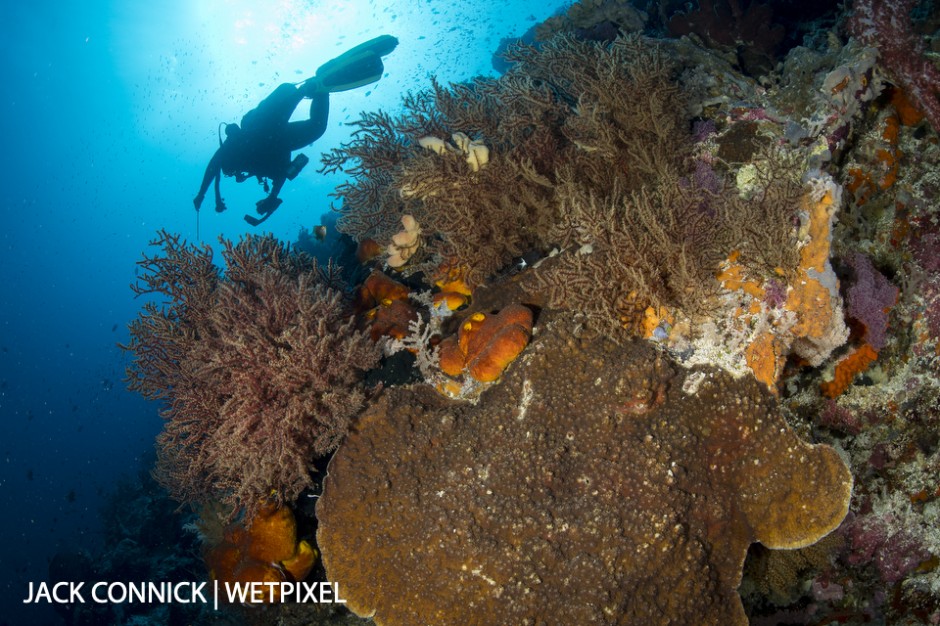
column 847, row 369
column 267, row 551
column 384, row 302
column 486, row 344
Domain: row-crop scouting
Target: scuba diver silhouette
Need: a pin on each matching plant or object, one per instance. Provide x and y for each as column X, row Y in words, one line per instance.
column 261, row 146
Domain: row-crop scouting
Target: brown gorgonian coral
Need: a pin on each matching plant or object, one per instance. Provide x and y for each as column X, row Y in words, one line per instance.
column 260, row 367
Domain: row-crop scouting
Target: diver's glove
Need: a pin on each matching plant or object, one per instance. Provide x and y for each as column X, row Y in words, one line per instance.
column 220, row 206
column 197, row 201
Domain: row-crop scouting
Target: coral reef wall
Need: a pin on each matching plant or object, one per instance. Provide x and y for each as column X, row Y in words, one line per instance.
column 742, row 199
column 666, row 294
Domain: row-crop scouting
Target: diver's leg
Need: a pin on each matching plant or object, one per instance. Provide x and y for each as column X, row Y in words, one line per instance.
column 304, row 133
column 276, row 108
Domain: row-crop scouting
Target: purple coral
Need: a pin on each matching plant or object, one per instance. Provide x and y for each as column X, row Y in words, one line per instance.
column 925, row 247
column 838, row 418
column 705, row 177
column 876, row 539
column 775, row 293
column 702, row 130
column 870, row 296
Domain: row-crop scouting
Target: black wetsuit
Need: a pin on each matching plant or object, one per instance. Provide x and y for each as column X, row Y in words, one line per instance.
column 263, row 145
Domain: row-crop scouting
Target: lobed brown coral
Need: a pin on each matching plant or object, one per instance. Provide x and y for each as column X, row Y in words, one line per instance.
column 597, row 484
column 261, row 367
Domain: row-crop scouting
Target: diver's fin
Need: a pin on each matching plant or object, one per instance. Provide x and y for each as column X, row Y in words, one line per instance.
column 266, row 207
column 356, row 67
column 254, row 221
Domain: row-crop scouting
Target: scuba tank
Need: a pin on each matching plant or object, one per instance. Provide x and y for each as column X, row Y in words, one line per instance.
column 298, row 164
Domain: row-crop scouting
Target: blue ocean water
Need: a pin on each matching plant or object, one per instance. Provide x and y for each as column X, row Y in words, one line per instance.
column 110, row 111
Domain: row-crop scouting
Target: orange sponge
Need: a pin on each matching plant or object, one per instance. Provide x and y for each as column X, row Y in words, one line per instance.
column 273, row 535
column 486, row 344
column 384, row 301
column 504, row 346
column 851, row 365
column 377, row 289
column 267, row 551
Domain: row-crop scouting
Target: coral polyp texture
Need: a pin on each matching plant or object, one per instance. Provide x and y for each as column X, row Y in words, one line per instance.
column 588, row 486
column 260, row 367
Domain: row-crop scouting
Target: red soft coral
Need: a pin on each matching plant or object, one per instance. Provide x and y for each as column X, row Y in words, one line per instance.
column 886, row 25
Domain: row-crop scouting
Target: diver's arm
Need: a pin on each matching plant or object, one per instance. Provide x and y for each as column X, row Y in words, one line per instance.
column 213, row 171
